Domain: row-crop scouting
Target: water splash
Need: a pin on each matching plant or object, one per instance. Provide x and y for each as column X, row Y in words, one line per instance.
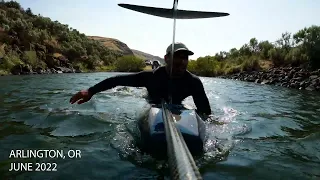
column 219, row 141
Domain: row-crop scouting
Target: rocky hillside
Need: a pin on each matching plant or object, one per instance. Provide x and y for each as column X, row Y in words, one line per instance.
column 32, row 43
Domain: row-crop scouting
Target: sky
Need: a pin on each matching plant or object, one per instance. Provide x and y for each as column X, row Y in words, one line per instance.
column 264, row 20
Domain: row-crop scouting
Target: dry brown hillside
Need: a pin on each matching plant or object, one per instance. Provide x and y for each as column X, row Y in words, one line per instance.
column 113, row 44
column 147, row 56
column 119, row 46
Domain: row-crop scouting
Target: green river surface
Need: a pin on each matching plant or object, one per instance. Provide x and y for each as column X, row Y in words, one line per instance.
column 268, row 132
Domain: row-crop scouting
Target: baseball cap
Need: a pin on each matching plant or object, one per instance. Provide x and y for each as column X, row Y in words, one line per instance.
column 178, row 47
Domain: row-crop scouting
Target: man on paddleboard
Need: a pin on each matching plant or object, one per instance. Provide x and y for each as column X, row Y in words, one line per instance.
column 158, row 82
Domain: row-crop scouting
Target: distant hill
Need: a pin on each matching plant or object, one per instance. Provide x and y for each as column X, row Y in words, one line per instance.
column 121, row 47
column 113, row 44
column 147, row 56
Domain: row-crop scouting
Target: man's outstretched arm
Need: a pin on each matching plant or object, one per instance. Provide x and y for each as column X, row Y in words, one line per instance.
column 200, row 98
column 135, row 80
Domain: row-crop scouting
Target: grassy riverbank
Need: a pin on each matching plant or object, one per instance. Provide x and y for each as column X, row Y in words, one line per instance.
column 301, row 49
column 291, row 61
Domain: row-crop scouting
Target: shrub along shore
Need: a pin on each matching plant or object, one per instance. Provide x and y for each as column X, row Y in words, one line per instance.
column 292, row 61
column 122, row 64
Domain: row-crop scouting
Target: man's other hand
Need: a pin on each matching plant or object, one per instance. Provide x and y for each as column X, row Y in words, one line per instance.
column 83, row 96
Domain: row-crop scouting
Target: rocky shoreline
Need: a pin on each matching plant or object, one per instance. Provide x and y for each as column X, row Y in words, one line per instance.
column 27, row 70
column 297, row 78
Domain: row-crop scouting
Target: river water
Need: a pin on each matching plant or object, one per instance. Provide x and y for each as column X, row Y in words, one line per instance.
column 265, row 132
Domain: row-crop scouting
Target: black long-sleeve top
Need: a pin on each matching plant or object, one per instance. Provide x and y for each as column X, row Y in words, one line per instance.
column 158, row 86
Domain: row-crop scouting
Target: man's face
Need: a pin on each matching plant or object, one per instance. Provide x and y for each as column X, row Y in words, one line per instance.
column 180, row 62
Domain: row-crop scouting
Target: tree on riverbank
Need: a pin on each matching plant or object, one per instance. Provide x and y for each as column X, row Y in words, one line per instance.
column 129, row 64
column 300, row 49
column 34, row 42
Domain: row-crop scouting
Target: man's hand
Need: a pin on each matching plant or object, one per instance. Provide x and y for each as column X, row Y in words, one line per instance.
column 82, row 95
